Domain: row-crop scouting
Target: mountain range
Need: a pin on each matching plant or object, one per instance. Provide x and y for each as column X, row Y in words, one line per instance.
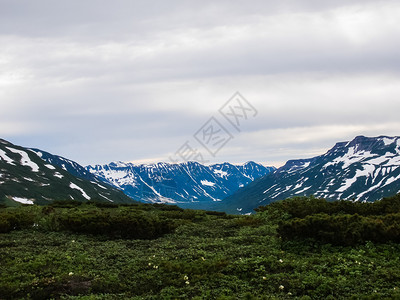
column 29, row 175
column 188, row 184
column 364, row 169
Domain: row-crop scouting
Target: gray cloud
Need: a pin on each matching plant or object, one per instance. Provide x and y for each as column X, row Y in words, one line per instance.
column 98, row 81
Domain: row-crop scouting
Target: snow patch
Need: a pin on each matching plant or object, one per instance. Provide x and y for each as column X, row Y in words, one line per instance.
column 207, row 183
column 38, row 153
column 4, row 156
column 22, row 200
column 51, row 167
column 351, row 157
column 380, row 160
column 391, row 180
column 270, row 188
column 297, row 186
column 331, row 182
column 28, row 179
column 370, row 189
column 25, row 160
column 367, row 171
column 74, row 186
column 303, row 190
column 106, row 198
column 387, row 141
column 220, row 173
column 101, row 186
column 58, row 175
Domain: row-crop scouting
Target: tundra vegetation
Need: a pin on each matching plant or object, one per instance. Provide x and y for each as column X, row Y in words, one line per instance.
column 299, row 248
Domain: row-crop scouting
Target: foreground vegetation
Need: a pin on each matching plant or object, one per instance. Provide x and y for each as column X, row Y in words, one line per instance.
column 301, row 248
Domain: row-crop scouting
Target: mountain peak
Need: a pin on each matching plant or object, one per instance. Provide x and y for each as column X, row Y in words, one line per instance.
column 250, row 163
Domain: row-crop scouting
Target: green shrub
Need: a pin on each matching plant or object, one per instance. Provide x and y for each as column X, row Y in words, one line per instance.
column 248, row 221
column 343, row 229
column 116, row 224
column 300, row 207
column 105, row 205
column 166, row 207
column 5, row 225
column 216, row 213
column 15, row 220
column 65, row 203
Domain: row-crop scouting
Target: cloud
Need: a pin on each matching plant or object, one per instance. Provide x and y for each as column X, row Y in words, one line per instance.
column 98, row 81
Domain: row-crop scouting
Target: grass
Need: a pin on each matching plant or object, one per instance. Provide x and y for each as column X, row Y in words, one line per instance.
column 203, row 256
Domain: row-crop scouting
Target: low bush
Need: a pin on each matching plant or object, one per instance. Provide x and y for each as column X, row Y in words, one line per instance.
column 343, row 229
column 65, row 203
column 116, row 224
column 15, row 220
column 300, row 207
column 216, row 213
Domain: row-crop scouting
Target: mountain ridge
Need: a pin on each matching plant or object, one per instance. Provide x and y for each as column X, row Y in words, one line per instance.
column 179, row 183
column 363, row 169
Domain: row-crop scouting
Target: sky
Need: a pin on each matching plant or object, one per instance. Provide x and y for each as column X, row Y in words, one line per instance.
column 150, row 81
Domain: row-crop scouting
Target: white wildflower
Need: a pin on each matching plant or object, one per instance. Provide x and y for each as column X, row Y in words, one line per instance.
column 70, row 273
column 281, row 287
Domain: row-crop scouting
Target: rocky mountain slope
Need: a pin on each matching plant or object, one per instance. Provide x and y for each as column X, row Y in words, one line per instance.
column 364, row 169
column 32, row 176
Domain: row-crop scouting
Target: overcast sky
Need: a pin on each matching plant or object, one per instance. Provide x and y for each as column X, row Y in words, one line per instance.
column 101, row 81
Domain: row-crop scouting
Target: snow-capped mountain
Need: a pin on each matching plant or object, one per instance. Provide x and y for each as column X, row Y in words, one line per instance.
column 364, row 169
column 33, row 176
column 183, row 183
